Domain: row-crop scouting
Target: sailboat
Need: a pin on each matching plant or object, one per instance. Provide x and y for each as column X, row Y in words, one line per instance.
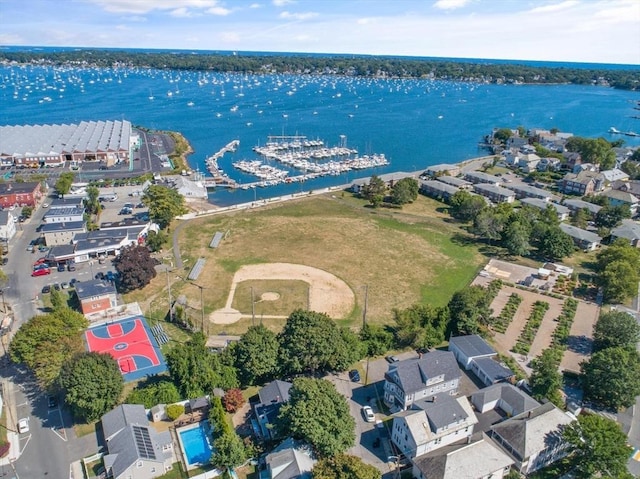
column 151, row 97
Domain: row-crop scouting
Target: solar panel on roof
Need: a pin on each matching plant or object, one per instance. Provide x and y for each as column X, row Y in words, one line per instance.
column 143, row 442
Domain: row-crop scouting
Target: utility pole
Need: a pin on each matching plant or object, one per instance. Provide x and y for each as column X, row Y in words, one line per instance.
column 253, row 308
column 170, row 299
column 396, row 461
column 364, row 311
column 201, row 305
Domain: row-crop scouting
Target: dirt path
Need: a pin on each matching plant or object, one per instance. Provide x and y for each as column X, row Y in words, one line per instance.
column 580, row 337
column 548, row 326
column 505, row 341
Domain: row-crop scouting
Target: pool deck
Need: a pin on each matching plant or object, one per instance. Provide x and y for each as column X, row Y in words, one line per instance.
column 181, row 427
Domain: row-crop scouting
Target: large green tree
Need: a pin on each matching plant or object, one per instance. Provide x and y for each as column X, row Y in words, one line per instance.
column 611, row 377
column 318, row 414
column 404, row 191
column 555, row 244
column 469, row 310
column 196, row 371
column 546, row 379
column 598, row 446
column 311, row 342
column 63, row 185
column 92, row 384
column 516, row 238
column 228, row 451
column 374, row 191
column 376, row 339
column 154, row 391
column 618, row 268
column 164, row 204
column 616, row 329
column 135, row 266
column 47, row 341
column 489, row 224
column 344, row 466
column 256, row 355
column 465, row 207
column 420, row 326
column 593, row 150
column 611, row 216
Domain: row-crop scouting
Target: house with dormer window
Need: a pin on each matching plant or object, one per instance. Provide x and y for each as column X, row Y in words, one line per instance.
column 430, row 424
column 411, row 380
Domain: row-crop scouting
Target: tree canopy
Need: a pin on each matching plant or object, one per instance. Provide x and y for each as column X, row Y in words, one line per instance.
column 404, row 191
column 256, row 355
column 65, row 180
column 311, row 342
column 616, row 329
column 228, row 451
column 154, row 391
column 318, row 414
column 464, row 206
column 135, row 266
column 420, row 326
column 611, row 378
column 546, row 379
column 593, row 150
column 47, row 341
column 469, row 310
column 618, row 268
column 196, row 371
column 611, row 216
column 92, row 384
column 374, row 191
column 599, row 447
column 344, row 466
column 164, row 204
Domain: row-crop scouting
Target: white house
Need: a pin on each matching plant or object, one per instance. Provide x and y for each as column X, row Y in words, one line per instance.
column 534, row 438
column 411, row 380
column 7, row 225
column 431, row 424
column 473, row 353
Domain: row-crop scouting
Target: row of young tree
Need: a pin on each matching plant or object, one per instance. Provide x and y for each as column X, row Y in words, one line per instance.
column 402, row 192
column 353, row 65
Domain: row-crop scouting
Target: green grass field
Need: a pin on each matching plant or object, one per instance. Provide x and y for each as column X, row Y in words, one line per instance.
column 404, row 256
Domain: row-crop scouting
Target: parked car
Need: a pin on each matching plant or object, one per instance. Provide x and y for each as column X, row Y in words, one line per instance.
column 41, row 266
column 110, row 276
column 41, row 272
column 100, row 275
column 52, row 401
column 61, row 267
column 392, row 359
column 64, row 285
column 23, row 425
column 56, row 286
column 40, row 261
column 46, row 289
column 354, row 375
column 72, row 282
column 368, row 414
column 5, row 261
column 71, row 266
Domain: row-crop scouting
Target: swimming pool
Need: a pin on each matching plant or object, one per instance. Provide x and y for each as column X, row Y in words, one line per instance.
column 196, row 443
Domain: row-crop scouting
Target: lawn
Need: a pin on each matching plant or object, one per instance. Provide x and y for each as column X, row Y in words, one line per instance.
column 404, row 256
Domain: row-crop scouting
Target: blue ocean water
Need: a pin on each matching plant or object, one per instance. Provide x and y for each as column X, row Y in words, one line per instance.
column 415, row 123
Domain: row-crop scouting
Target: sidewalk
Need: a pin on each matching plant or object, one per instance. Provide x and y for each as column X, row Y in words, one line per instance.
column 12, row 437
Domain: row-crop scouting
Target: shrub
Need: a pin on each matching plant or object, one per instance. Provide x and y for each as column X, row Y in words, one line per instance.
column 174, row 411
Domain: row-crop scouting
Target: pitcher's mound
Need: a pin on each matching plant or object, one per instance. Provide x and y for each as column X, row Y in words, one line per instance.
column 225, row 316
column 270, row 296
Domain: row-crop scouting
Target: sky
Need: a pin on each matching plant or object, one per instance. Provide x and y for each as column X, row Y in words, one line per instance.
column 598, row 31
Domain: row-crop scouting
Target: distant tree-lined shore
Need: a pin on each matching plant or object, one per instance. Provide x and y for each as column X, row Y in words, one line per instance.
column 353, row 65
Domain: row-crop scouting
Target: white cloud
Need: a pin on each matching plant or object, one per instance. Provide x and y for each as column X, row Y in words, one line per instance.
column 11, row 39
column 181, row 12
column 146, row 6
column 450, row 4
column 220, row 11
column 283, row 3
column 619, row 12
column 230, row 37
column 255, row 5
column 298, row 16
column 555, row 7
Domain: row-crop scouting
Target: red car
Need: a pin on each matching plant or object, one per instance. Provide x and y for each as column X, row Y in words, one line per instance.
column 41, row 272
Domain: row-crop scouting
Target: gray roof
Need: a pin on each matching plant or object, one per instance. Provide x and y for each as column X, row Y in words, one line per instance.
column 471, row 345
column 290, row 460
column 274, row 392
column 442, row 410
column 493, row 189
column 482, row 177
column 439, row 186
column 61, row 226
column 16, row 188
column 61, row 251
column 463, row 460
column 529, row 190
column 6, row 217
column 454, row 181
column 442, row 167
column 414, row 373
column 494, row 370
column 622, row 196
column 65, row 202
column 580, row 234
column 198, row 403
column 94, row 287
column 42, row 140
column 64, row 211
column 517, row 400
column 116, row 419
column 124, row 223
column 387, row 177
column 543, row 205
column 580, row 204
column 130, row 439
column 534, row 430
column 629, row 229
